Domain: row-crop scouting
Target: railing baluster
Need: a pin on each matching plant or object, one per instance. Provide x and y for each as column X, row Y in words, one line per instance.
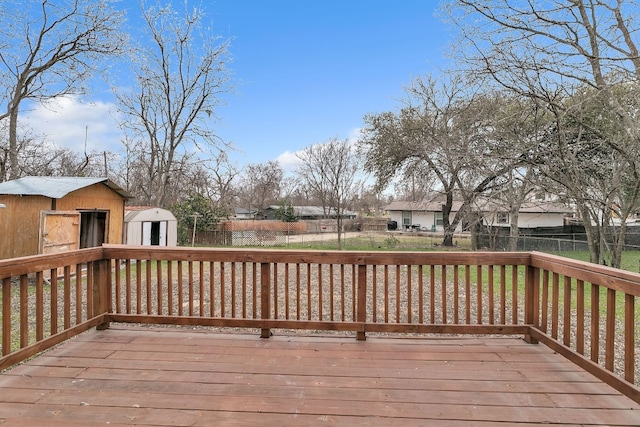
column 180, row 290
column 629, row 338
column 319, row 266
column 354, row 313
column 420, row 293
column 24, row 311
column 39, row 306
column 456, row 294
column 127, row 269
column 309, row 291
column 201, row 292
column 580, row 316
column 299, row 290
column 287, row 307
column 595, row 322
column 362, row 299
column 491, row 296
column 555, row 302
column 66, row 304
column 409, row 308
column 159, row 287
column 244, row 290
column 78, row 292
column 386, row 294
column 479, row 294
column 265, row 296
column 223, row 285
column 503, row 294
column 275, row 290
column 610, row 339
column 147, row 265
column 234, row 290
column 374, row 293
column 443, row 287
column 398, row 293
column 432, row 295
column 467, row 289
column 254, row 302
column 138, row 286
column 170, row 288
column 567, row 311
column 53, row 289
column 6, row 316
column 514, row 295
column 545, row 300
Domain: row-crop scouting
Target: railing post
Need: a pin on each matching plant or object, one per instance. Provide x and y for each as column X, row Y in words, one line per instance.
column 101, row 287
column 265, row 296
column 361, row 315
column 531, row 300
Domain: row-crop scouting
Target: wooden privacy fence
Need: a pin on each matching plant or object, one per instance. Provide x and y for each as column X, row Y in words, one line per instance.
column 586, row 312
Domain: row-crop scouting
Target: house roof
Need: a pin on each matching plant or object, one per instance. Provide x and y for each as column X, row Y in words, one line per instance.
column 436, row 206
column 307, row 211
column 148, row 213
column 54, row 187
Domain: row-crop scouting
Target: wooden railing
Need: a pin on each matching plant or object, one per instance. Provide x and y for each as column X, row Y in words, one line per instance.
column 586, row 312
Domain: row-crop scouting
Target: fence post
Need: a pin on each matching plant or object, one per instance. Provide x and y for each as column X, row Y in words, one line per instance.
column 265, row 296
column 362, row 300
column 531, row 300
column 101, row 287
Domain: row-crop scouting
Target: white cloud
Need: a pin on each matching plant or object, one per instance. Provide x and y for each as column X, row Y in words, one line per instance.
column 288, row 161
column 68, row 122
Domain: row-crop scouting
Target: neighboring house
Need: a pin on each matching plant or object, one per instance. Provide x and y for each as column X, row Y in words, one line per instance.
column 308, row 213
column 56, row 214
column 424, row 215
column 530, row 215
column 150, row 226
column 427, row 215
column 241, row 213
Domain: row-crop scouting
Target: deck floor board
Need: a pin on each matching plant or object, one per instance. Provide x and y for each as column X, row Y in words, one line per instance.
column 167, row 376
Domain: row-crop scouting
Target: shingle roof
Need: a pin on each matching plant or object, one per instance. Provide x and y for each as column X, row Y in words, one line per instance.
column 54, row 187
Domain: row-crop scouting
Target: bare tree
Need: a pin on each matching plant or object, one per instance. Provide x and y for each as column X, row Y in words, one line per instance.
column 48, row 50
column 261, row 185
column 445, row 132
column 331, row 170
column 555, row 52
column 180, row 75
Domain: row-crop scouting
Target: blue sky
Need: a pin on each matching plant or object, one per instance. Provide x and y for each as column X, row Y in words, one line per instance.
column 310, row 70
column 304, row 71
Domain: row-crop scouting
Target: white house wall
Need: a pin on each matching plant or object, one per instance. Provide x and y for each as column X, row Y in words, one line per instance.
column 425, row 219
column 532, row 220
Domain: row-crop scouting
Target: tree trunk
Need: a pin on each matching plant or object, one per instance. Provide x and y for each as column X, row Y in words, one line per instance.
column 14, row 171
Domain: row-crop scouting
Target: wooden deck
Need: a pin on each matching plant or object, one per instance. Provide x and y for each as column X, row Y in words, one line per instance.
column 165, row 376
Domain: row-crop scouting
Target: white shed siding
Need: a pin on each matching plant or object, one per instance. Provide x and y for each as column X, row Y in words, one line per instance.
column 138, row 225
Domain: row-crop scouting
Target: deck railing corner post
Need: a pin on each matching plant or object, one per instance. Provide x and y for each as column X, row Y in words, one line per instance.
column 362, row 301
column 265, row 297
column 101, row 290
column 531, row 300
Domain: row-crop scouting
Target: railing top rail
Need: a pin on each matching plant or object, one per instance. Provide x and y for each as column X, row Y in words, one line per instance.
column 29, row 264
column 315, row 256
column 620, row 280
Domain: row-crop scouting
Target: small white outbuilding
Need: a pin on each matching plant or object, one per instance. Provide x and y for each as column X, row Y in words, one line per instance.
column 150, row 226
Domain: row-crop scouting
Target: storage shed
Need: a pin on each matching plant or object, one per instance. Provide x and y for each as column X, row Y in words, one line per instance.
column 146, row 225
column 56, row 214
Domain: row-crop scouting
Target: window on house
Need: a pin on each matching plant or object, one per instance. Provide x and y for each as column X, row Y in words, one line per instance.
column 439, row 220
column 502, row 218
column 406, row 218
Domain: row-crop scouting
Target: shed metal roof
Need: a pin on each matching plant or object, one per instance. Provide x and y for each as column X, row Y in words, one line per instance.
column 54, row 187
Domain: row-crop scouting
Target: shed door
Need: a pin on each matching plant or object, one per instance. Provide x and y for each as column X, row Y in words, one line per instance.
column 59, row 231
column 154, row 233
